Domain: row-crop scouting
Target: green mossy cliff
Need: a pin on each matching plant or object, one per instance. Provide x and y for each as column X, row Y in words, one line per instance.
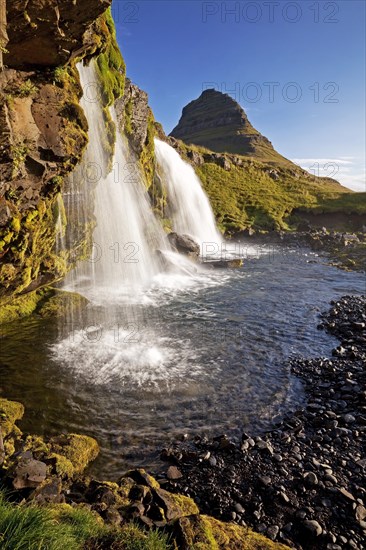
column 43, row 135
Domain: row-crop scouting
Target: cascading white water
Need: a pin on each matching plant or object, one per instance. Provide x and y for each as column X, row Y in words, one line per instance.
column 190, row 209
column 127, row 234
column 114, row 340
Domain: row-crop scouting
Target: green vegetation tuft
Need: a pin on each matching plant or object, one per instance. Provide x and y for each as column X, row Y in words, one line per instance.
column 110, row 64
column 349, row 203
column 18, row 153
column 28, row 527
column 19, row 307
column 26, row 89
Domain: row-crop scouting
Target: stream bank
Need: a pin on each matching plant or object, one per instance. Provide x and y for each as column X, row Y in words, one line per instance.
column 303, row 482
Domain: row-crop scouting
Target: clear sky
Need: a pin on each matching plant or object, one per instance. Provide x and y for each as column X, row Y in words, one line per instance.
column 297, row 68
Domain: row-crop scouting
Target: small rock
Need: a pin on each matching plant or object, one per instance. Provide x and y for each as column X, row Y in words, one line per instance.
column 272, row 532
column 348, row 418
column 212, row 461
column 311, row 478
column 174, row 473
column 313, row 527
column 29, row 473
column 265, row 480
column 238, row 508
column 360, row 513
column 346, row 493
column 112, row 517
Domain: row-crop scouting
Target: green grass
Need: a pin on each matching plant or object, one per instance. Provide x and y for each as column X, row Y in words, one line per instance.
column 30, row 528
column 246, row 196
column 347, row 202
column 27, row 527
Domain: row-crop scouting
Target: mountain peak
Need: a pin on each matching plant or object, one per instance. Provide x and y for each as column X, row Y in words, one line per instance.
column 216, row 121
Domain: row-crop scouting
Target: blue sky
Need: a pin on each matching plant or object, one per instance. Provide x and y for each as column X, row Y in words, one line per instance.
column 297, row 68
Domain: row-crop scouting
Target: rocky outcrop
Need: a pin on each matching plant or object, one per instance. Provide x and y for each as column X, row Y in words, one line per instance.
column 136, row 121
column 217, row 122
column 133, row 113
column 50, row 471
column 50, row 34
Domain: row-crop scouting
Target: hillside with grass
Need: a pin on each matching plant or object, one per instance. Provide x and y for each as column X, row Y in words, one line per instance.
column 249, row 184
column 250, row 193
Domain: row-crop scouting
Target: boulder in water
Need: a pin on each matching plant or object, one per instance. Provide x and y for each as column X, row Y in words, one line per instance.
column 222, row 264
column 184, row 244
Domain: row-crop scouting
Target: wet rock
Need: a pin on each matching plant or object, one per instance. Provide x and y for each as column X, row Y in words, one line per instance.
column 311, row 478
column 360, row 513
column 49, row 492
column 238, row 508
column 184, row 244
column 265, row 480
column 113, row 517
column 272, row 532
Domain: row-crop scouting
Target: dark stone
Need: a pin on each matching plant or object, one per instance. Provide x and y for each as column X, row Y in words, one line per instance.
column 313, row 527
column 184, row 244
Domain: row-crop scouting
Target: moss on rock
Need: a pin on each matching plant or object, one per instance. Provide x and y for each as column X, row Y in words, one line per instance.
column 42, row 109
column 61, row 303
column 19, row 307
column 73, row 452
column 10, row 413
column 207, row 533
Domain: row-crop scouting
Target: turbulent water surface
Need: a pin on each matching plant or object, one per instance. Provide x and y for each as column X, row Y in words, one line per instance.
column 199, row 354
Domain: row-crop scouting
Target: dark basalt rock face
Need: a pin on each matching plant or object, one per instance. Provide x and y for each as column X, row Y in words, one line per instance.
column 50, row 33
column 184, row 244
column 217, row 122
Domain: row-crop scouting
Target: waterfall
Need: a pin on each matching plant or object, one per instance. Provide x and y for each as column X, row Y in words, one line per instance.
column 189, row 207
column 126, row 234
column 115, row 340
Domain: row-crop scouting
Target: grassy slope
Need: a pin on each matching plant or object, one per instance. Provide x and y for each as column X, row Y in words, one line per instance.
column 247, row 196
